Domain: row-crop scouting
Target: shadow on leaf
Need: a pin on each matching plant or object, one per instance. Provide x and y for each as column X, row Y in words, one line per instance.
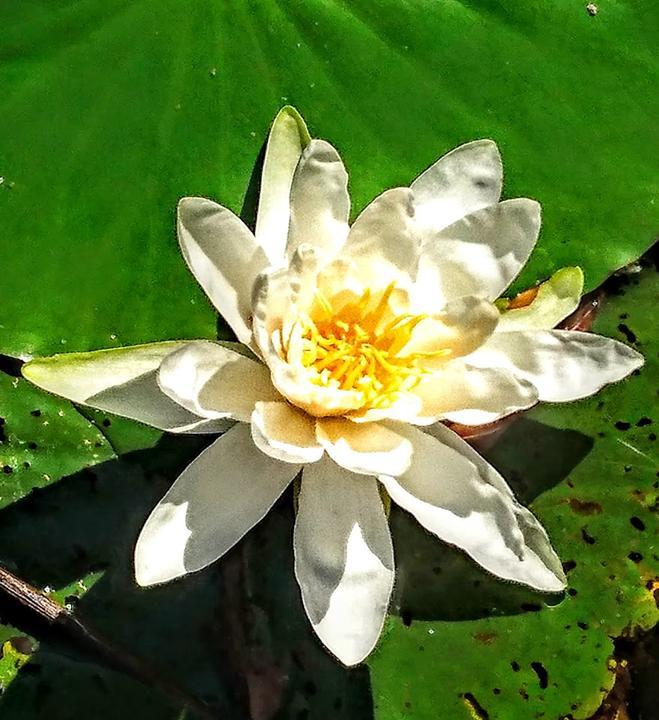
column 234, row 635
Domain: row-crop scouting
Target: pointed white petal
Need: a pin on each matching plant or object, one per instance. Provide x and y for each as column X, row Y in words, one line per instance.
column 213, row 503
column 556, row 298
column 563, row 365
column 213, row 381
column 482, row 253
column 455, row 497
column 386, row 232
column 284, row 432
column 365, row 448
column 224, row 257
column 459, row 183
column 122, row 381
column 471, row 396
column 319, row 200
column 288, row 138
column 344, row 560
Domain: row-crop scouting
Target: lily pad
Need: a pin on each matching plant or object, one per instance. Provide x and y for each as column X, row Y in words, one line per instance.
column 113, row 110
column 42, row 438
column 480, row 648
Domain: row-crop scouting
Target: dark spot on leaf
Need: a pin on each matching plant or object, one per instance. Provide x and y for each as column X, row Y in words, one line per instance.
column 572, row 591
column 637, row 523
column 628, row 468
column 635, row 556
column 26, row 465
column 652, row 436
column 406, row 617
column 485, row 637
column 588, row 539
column 542, row 674
column 629, row 335
column 436, row 570
column 531, row 607
column 623, row 316
column 7, row 469
column 515, row 666
column 583, row 625
column 569, row 565
column 32, row 445
column 584, row 507
column 310, row 688
column 524, row 694
column 478, row 710
column 496, row 691
column 600, row 405
column 621, row 425
column 643, row 422
column 106, row 422
column 35, row 413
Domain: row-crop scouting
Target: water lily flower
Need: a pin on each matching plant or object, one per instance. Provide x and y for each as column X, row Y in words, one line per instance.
column 357, row 344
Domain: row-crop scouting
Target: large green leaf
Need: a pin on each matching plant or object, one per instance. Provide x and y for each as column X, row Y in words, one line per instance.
column 111, row 110
column 467, row 643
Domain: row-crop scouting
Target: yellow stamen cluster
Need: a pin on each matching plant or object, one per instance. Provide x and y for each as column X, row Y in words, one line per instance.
column 358, row 345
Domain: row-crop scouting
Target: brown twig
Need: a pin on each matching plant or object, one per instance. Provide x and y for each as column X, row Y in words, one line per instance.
column 61, row 619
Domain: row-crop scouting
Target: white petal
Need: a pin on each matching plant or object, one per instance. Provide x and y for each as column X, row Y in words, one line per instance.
column 343, row 559
column 563, row 365
column 471, row 396
column 122, row 381
column 455, row 498
column 556, row 298
column 319, row 200
column 462, row 326
column 288, row 138
column 365, row 448
column 212, row 504
column 213, row 381
column 285, row 433
column 482, row 253
column 459, row 183
column 386, row 232
column 224, row 257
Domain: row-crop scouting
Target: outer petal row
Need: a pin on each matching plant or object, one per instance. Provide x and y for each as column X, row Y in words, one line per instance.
column 123, row 381
column 461, row 499
column 213, row 503
column 563, row 365
column 186, row 386
column 344, row 559
column 224, row 257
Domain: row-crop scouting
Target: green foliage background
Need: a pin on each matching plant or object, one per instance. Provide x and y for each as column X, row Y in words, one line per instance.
column 113, row 110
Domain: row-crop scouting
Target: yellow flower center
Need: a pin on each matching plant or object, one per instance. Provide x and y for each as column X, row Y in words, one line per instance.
column 358, row 345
